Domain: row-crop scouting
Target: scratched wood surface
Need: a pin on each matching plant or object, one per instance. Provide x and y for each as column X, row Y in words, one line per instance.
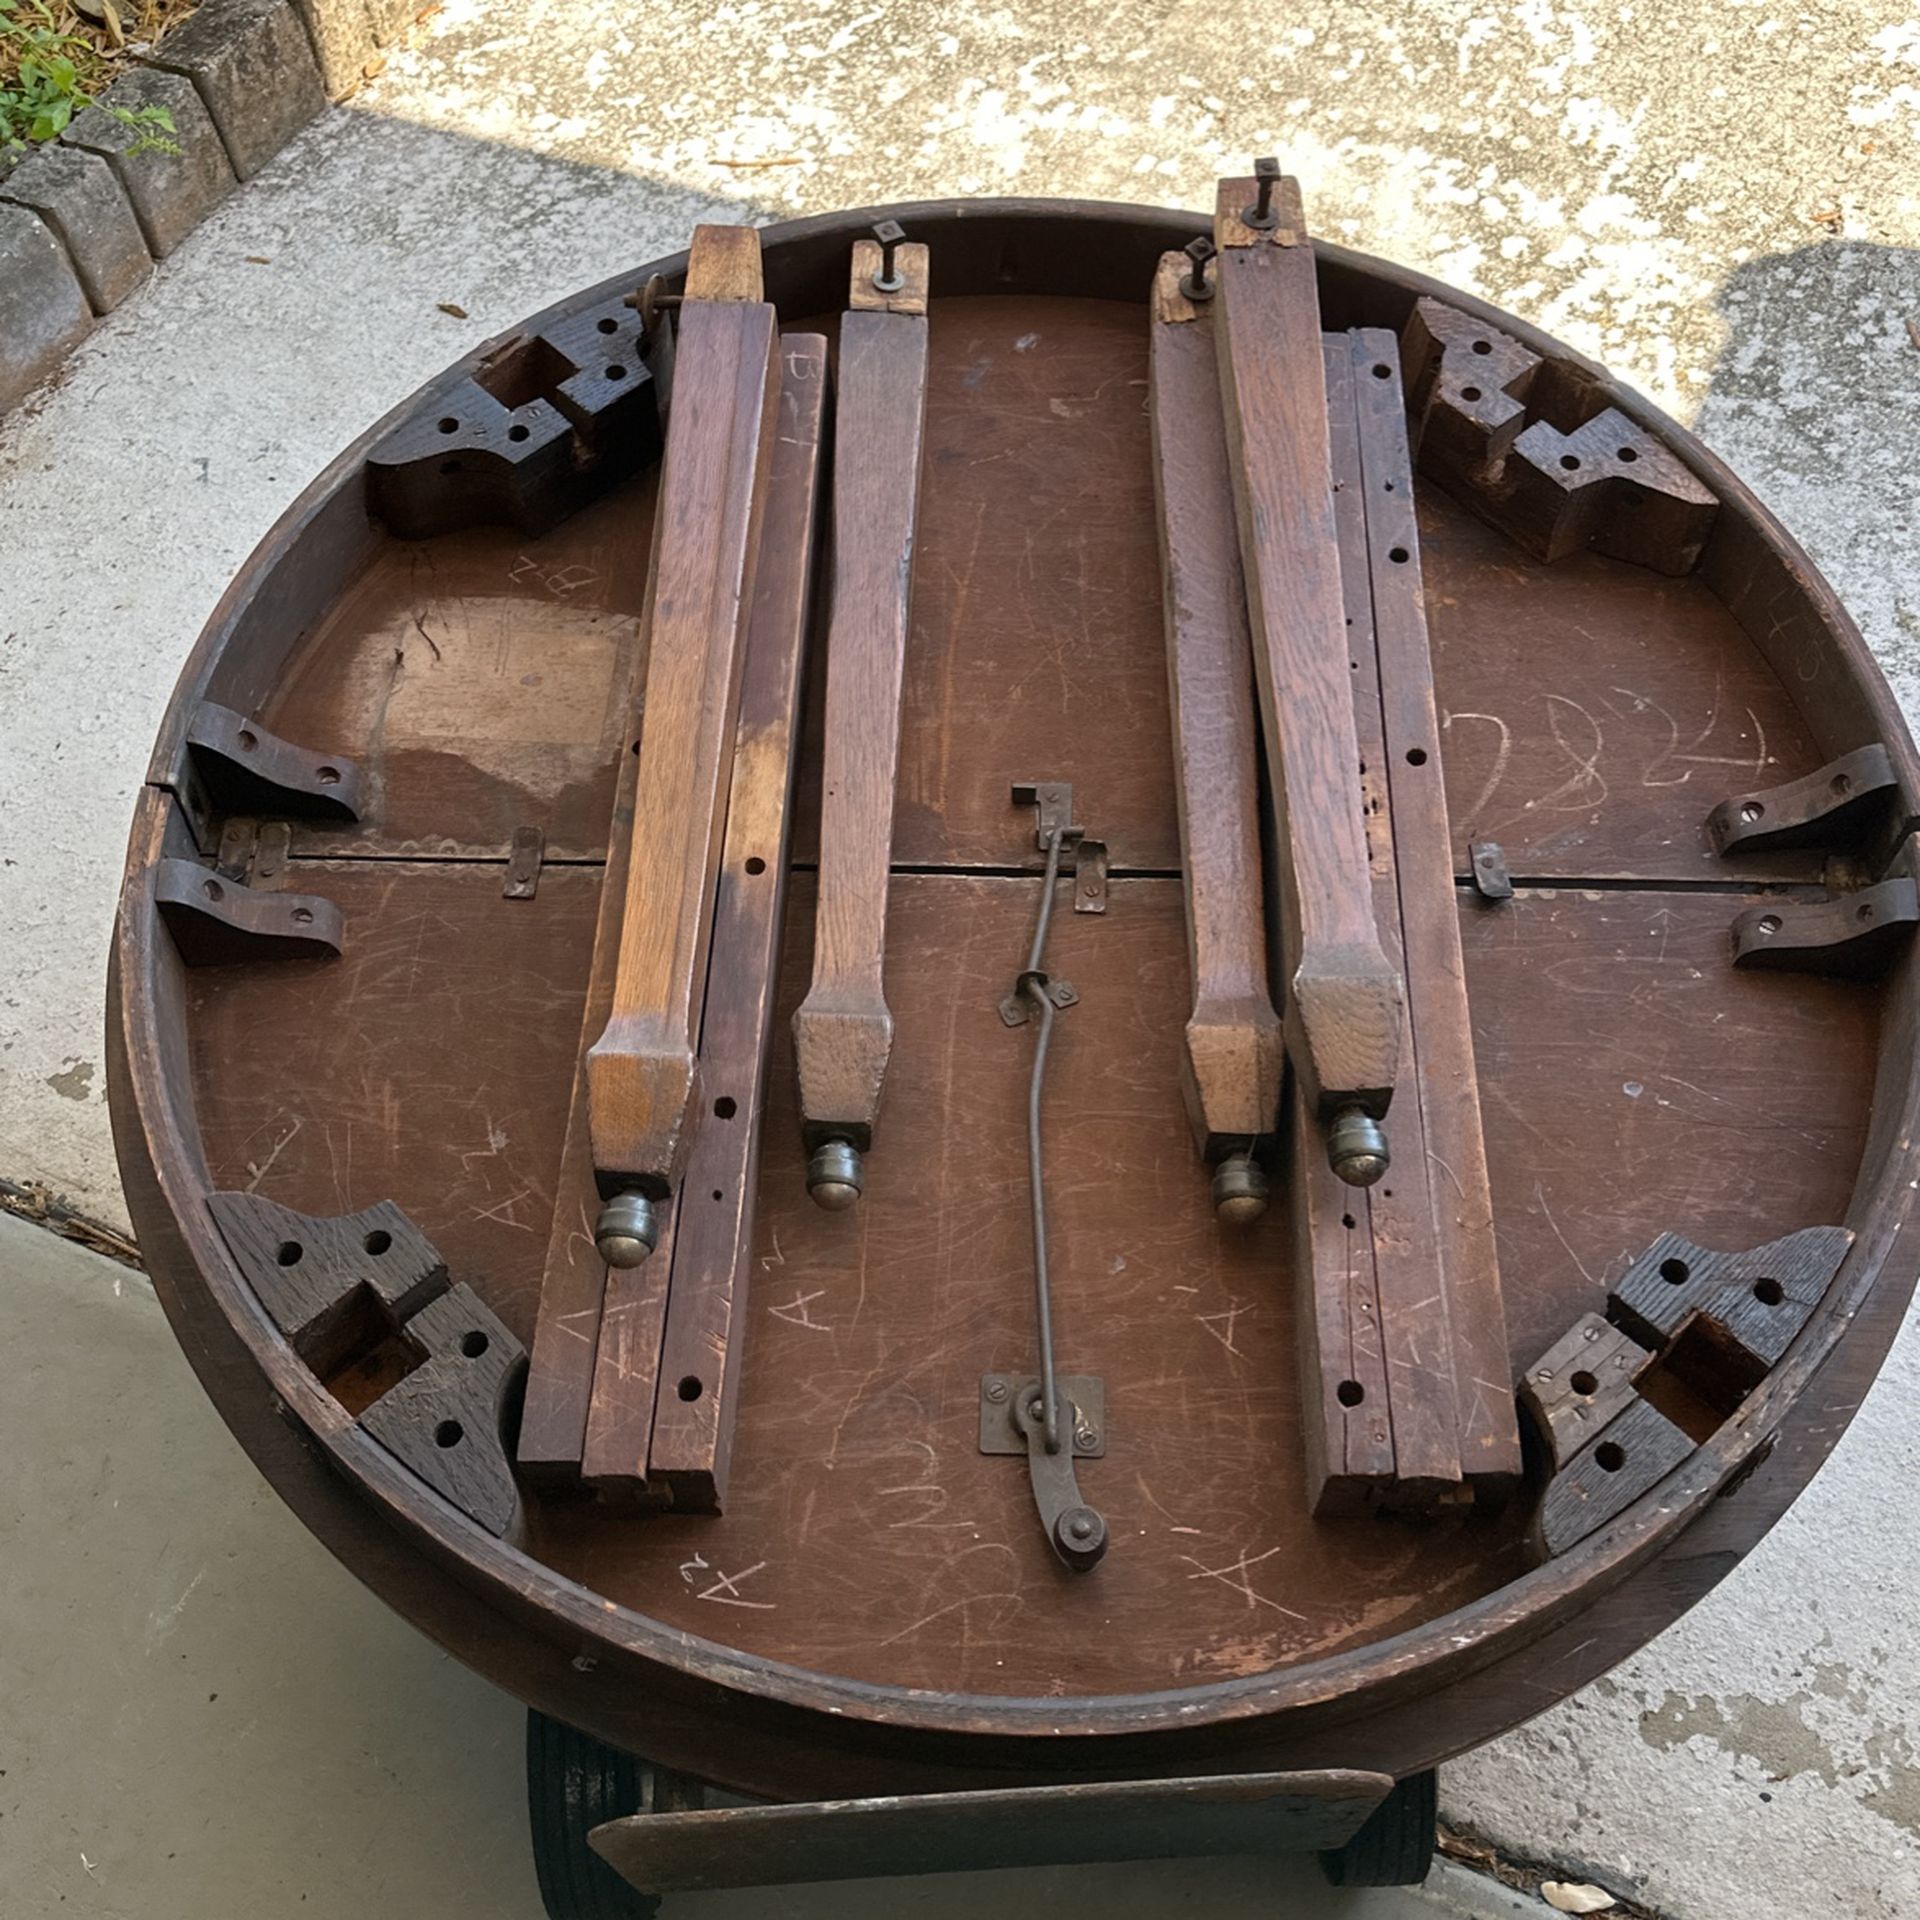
column 1036, row 636
column 864, row 1528
column 865, row 1534
column 475, row 675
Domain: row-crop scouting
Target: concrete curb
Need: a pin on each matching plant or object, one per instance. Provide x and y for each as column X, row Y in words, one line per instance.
column 83, row 218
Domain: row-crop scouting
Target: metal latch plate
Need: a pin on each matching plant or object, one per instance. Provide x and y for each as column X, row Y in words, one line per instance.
column 1000, row 1393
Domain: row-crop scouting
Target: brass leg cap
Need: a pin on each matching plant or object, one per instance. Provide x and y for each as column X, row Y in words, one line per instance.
column 834, row 1175
column 1239, row 1190
column 627, row 1231
column 1357, row 1148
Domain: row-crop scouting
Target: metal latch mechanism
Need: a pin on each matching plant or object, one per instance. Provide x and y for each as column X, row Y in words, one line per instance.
column 1013, row 1420
column 1027, row 1415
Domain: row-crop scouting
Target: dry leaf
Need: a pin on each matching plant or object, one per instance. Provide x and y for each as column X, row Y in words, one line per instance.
column 258, row 260
column 447, row 306
column 374, row 67
column 1564, row 1896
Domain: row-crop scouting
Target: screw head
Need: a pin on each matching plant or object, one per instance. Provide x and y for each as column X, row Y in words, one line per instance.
column 995, row 1390
column 627, row 1230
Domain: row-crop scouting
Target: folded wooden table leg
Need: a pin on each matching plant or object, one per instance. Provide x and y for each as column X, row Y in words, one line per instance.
column 713, row 1238
column 1343, row 995
column 640, row 1072
column 843, row 1030
column 1234, row 1053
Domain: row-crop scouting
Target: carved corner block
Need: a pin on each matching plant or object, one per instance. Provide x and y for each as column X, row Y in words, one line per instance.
column 312, row 1272
column 1618, row 1403
column 542, row 426
column 371, row 1287
column 1477, row 399
column 446, row 1420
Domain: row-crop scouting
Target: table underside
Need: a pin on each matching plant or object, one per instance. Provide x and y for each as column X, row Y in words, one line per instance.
column 1631, row 1082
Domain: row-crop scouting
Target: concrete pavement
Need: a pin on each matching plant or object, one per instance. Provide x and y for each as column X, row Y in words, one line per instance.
column 1720, row 200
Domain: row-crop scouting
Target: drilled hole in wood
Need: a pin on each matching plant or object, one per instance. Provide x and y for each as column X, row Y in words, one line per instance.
column 1863, row 913
column 718, row 1195
column 518, row 432
column 1483, row 346
column 1389, row 486
column 1347, row 1221
column 289, row 1252
column 327, row 776
column 213, row 889
column 449, row 425
column 248, row 740
column 692, row 1387
column 449, row 1433
column 609, row 326
column 1674, row 1272
column 1584, row 1382
column 1382, row 371
column 756, row 865
column 616, row 373
column 1399, row 556
column 1469, row 393
column 378, row 1241
column 1769, row 1292
column 1349, row 1393
column 474, row 1344
column 1839, row 786
column 1571, row 462
column 1609, row 1456
column 1416, row 756
column 1627, row 454
column 724, row 1108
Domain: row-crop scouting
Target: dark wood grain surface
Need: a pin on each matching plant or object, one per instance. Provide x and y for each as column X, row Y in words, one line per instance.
column 1605, row 768
column 880, row 1542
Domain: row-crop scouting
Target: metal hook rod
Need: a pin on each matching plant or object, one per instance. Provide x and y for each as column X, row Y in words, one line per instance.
column 1033, row 983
